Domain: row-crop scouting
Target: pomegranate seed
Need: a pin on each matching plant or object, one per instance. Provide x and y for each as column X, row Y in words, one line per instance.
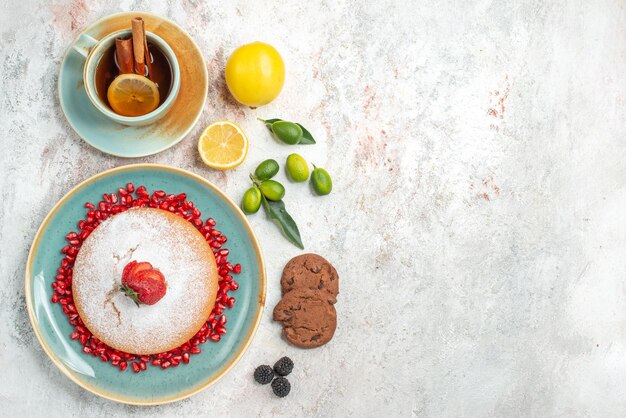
column 106, row 198
column 156, row 362
column 186, row 358
column 131, row 187
column 220, row 330
column 166, row 364
column 104, row 357
column 195, row 350
column 142, row 365
column 237, row 268
column 74, row 335
column 222, row 320
column 89, row 205
column 123, row 366
column 211, row 222
column 135, row 367
column 87, row 350
column 215, row 337
column 55, row 298
column 234, row 285
column 230, row 302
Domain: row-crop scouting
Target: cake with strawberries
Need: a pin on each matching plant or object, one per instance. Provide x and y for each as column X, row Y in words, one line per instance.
column 144, row 281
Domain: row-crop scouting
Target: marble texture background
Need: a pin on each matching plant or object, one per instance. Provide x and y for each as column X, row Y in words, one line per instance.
column 478, row 219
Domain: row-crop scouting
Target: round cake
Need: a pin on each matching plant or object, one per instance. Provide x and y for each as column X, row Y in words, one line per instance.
column 173, row 247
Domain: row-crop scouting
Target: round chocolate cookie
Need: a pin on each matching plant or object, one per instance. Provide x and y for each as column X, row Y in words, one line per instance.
column 310, row 271
column 308, row 316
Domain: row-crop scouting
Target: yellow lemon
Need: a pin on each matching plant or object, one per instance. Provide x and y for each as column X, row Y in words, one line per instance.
column 255, row 74
column 223, row 145
column 133, row 95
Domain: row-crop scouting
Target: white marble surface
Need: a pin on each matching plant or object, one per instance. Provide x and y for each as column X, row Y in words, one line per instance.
column 478, row 219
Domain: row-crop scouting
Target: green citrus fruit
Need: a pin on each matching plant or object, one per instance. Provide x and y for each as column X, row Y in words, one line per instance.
column 266, row 170
column 288, row 132
column 251, row 201
column 321, row 181
column 297, row 168
column 272, row 190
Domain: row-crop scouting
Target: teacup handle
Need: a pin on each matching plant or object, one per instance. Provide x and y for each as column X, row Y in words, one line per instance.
column 84, row 44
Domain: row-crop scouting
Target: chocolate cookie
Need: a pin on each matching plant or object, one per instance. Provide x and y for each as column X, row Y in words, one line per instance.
column 308, row 316
column 310, row 271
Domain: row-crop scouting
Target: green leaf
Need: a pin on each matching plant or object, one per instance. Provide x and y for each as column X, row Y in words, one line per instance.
column 277, row 213
column 130, row 292
column 307, row 138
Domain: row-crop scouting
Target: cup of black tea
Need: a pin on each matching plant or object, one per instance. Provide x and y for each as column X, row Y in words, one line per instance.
column 114, row 81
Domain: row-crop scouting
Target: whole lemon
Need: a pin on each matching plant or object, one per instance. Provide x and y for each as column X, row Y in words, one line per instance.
column 255, row 74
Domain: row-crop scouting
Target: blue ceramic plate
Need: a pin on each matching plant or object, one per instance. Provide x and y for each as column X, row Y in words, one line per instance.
column 153, row 386
column 135, row 141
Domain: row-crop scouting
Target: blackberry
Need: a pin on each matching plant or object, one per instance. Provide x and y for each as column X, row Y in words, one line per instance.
column 281, row 387
column 263, row 374
column 284, row 366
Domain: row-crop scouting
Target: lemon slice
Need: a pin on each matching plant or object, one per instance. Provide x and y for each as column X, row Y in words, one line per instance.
column 223, row 145
column 133, row 95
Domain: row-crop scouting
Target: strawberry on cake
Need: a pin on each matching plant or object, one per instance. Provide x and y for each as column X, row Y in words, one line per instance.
column 144, row 281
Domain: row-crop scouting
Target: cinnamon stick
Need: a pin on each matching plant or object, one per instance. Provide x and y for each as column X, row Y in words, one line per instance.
column 140, row 48
column 139, row 52
column 124, row 54
column 147, row 51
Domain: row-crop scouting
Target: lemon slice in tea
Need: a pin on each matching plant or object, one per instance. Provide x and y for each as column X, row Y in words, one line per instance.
column 133, row 95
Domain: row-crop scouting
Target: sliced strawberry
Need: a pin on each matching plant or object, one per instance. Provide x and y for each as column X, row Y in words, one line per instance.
column 150, row 274
column 127, row 269
column 141, row 266
column 143, row 283
column 150, row 290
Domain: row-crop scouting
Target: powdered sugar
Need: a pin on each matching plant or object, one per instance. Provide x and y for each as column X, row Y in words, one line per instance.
column 170, row 244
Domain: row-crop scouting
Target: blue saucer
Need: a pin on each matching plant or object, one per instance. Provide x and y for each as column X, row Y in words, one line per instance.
column 126, row 141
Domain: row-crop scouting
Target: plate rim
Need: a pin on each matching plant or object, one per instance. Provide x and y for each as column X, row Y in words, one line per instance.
column 104, row 19
column 35, row 245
